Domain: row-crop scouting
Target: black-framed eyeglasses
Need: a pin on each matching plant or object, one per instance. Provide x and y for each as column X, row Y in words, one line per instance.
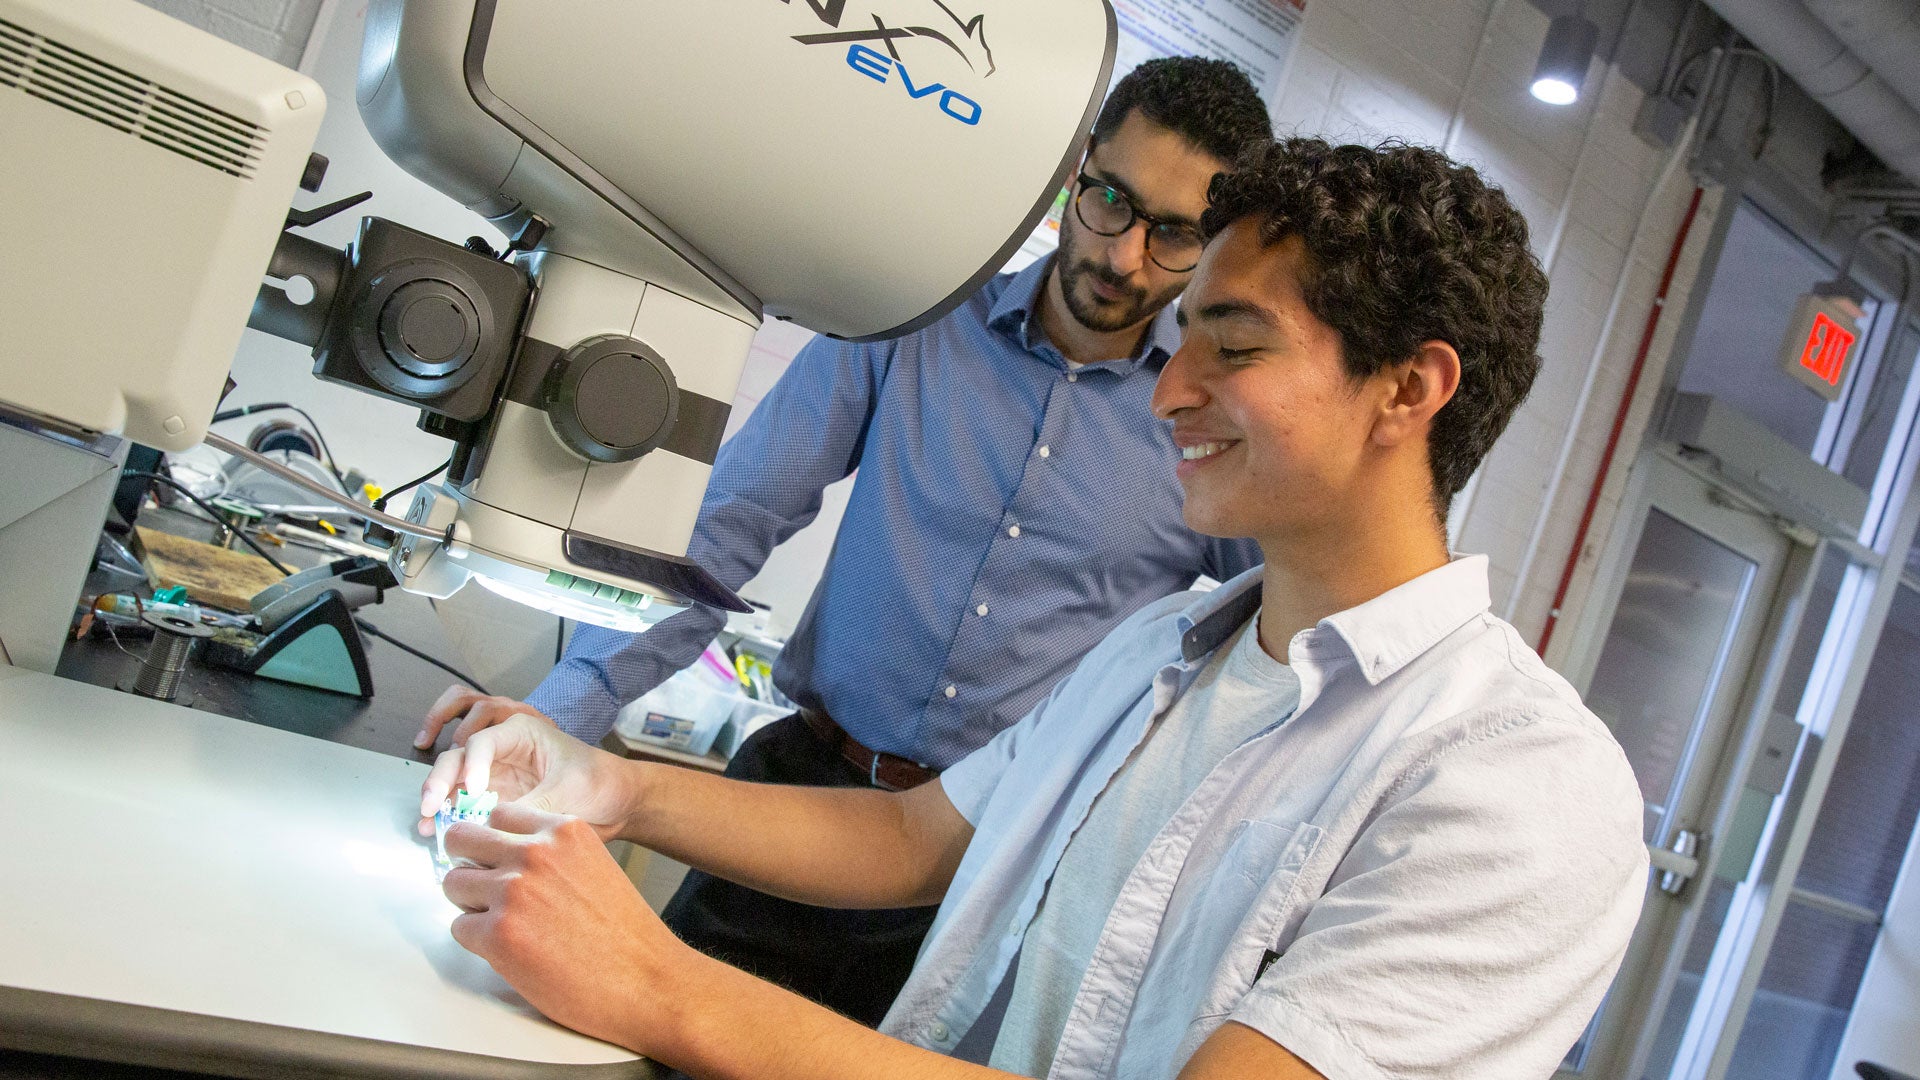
column 1173, row 246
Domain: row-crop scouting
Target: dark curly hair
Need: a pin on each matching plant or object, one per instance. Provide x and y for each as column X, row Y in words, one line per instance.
column 1405, row 246
column 1210, row 102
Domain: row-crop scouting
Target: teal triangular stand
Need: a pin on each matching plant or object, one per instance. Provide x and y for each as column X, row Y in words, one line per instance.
column 316, row 658
column 318, row 647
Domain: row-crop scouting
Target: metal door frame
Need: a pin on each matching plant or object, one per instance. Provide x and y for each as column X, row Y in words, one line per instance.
column 1733, row 949
column 1712, row 768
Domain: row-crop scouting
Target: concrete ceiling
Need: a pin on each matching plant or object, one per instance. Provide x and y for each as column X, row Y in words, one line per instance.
column 1643, row 37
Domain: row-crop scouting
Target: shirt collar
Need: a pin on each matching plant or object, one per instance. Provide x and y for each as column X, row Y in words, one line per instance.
column 1393, row 629
column 1013, row 315
column 1383, row 635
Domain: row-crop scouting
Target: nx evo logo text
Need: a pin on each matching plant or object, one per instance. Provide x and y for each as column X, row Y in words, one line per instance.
column 966, row 38
column 879, row 67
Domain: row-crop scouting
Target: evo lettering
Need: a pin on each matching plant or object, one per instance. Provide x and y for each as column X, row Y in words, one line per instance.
column 880, row 67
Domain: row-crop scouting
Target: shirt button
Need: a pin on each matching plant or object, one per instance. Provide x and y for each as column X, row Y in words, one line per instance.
column 938, row 1031
column 1013, row 530
column 1046, row 451
column 1073, row 376
column 951, row 690
column 981, row 610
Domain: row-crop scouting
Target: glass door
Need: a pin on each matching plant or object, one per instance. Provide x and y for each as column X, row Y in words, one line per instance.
column 1832, row 928
column 1672, row 670
column 1769, row 792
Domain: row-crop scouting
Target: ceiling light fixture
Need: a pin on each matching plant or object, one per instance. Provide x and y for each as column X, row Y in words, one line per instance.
column 1564, row 58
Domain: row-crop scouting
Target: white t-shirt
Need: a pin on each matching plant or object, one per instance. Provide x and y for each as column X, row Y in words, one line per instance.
column 1241, row 693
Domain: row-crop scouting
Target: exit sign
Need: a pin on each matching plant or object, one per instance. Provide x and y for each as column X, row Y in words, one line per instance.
column 1821, row 342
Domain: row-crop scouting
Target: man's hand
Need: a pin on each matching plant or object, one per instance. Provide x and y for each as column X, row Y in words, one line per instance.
column 554, row 915
column 530, row 761
column 478, row 710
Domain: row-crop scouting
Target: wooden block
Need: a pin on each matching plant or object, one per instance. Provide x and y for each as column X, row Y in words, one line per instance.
column 213, row 575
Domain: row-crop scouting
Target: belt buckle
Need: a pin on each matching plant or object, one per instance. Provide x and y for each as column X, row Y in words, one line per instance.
column 873, row 774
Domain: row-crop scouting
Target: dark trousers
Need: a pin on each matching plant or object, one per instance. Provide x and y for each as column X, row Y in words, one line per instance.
column 853, row 962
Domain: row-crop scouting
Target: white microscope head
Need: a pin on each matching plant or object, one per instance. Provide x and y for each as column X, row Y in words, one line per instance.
column 679, row 171
column 857, row 166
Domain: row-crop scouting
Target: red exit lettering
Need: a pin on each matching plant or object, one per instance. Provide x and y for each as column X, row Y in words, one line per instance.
column 1825, row 353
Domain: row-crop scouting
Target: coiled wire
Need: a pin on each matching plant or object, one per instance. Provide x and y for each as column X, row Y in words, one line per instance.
column 166, row 661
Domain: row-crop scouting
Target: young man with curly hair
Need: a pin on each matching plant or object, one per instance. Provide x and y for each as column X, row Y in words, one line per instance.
column 1009, row 512
column 1332, row 820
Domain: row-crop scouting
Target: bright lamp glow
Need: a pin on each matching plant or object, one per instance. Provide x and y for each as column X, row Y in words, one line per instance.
column 573, row 606
column 1555, row 91
column 1564, row 58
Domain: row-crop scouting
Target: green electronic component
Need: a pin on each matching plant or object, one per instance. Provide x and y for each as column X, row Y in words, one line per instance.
column 613, row 594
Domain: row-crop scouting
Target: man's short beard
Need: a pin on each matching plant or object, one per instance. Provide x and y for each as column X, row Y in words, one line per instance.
column 1090, row 313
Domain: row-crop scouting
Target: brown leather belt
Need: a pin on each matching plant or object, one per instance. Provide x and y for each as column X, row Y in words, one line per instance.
column 887, row 771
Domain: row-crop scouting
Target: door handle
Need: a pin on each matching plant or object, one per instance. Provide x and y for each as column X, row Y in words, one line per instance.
column 1678, row 862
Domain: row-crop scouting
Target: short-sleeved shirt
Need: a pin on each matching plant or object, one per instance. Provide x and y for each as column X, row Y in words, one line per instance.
column 1430, row 871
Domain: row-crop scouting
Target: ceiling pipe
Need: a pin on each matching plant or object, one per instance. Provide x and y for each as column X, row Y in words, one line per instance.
column 1811, row 55
column 1883, row 33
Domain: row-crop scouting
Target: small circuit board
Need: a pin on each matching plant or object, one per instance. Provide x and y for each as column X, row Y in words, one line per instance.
column 464, row 805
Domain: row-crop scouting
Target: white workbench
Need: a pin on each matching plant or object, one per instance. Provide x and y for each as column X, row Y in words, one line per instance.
column 187, row 890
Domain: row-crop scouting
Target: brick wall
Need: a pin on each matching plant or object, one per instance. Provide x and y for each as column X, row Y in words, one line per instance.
column 276, row 29
column 1454, row 74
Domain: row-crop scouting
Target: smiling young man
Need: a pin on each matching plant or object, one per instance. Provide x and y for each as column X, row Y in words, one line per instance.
column 1333, row 819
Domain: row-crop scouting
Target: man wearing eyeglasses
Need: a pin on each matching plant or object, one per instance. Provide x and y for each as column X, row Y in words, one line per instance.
column 1015, row 507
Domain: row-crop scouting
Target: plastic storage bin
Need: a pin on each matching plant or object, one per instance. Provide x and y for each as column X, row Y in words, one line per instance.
column 684, row 713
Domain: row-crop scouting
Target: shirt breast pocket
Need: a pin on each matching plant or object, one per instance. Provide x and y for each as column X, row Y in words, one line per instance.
column 1248, row 909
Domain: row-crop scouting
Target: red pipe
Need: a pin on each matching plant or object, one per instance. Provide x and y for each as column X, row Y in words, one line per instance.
column 1619, row 421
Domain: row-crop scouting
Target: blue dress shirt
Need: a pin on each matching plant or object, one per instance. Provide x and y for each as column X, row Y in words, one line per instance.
column 1016, row 510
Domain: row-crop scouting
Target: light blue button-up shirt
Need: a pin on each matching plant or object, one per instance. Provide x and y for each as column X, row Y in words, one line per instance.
column 1016, row 510
column 1430, row 870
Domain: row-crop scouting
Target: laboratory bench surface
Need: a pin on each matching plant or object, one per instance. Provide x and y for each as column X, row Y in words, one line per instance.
column 404, row 688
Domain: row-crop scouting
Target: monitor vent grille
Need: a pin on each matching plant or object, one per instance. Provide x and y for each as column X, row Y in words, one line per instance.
column 87, row 86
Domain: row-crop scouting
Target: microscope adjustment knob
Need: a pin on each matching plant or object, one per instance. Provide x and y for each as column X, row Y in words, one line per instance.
column 612, row 399
column 417, row 326
column 429, row 328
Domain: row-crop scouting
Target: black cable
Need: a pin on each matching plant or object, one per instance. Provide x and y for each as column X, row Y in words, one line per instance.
column 406, row 648
column 215, row 515
column 325, row 450
column 380, row 503
column 284, row 569
column 560, row 641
